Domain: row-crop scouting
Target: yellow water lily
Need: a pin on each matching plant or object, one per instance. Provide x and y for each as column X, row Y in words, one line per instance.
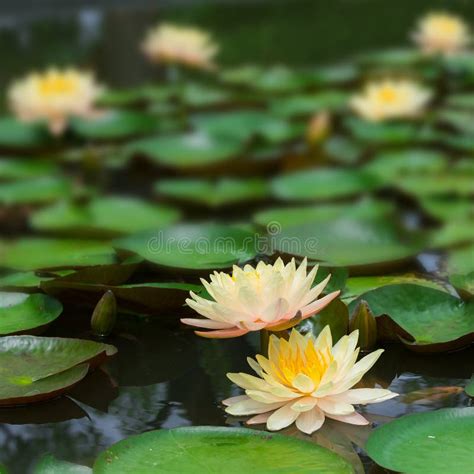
column 390, row 99
column 442, row 33
column 265, row 297
column 54, row 96
column 305, row 380
column 176, row 44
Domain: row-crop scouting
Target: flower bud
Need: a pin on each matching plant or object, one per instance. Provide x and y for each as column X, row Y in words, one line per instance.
column 364, row 320
column 104, row 315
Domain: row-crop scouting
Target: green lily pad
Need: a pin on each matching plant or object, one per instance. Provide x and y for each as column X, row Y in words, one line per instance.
column 434, row 319
column 448, row 209
column 442, row 184
column 199, row 95
column 17, row 168
column 425, row 443
column 35, row 191
column 343, row 150
column 20, row 135
column 21, row 312
column 279, row 79
column 143, row 298
column 112, row 215
column 207, row 449
column 453, row 233
column 356, row 286
column 223, row 192
column 113, row 125
column 382, row 133
column 187, row 150
column 463, row 283
column 40, row 253
column 38, row 368
column 356, row 243
column 397, row 164
column 21, row 281
column 294, row 216
column 322, row 183
column 460, row 120
column 461, row 261
column 338, row 74
column 306, row 105
column 393, row 58
column 461, row 101
column 48, row 464
column 193, row 246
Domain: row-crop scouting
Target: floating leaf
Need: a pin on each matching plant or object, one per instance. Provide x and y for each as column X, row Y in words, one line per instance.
column 453, row 233
column 48, row 464
column 322, row 183
column 463, row 283
column 448, row 209
column 35, row 191
column 187, row 150
column 193, row 246
column 19, row 135
column 461, row 260
column 199, row 95
column 111, row 215
column 38, row 368
column 425, row 443
column 225, row 191
column 38, row 253
column 434, row 319
column 17, row 168
column 470, row 387
column 20, row 312
column 206, row 449
column 343, row 150
column 430, row 395
column 113, row 125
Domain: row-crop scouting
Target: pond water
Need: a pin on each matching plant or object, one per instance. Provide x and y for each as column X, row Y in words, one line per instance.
column 163, row 375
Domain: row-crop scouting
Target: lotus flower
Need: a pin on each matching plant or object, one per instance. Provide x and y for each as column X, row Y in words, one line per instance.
column 305, row 380
column 442, row 33
column 175, row 44
column 54, row 96
column 389, row 99
column 273, row 297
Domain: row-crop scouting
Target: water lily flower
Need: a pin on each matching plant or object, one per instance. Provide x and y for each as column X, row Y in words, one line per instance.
column 305, row 380
column 389, row 99
column 272, row 297
column 442, row 33
column 54, row 96
column 180, row 45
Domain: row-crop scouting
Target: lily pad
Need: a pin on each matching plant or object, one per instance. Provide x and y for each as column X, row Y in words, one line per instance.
column 207, row 449
column 38, row 368
column 356, row 243
column 17, row 168
column 111, row 215
column 463, row 283
column 322, row 183
column 426, row 443
column 193, row 246
column 438, row 184
column 20, row 135
column 198, row 95
column 461, row 260
column 187, row 150
column 461, row 101
column 448, row 209
column 453, row 233
column 113, row 125
column 48, row 464
column 21, row 312
column 434, row 319
column 35, row 191
column 343, row 150
column 39, row 253
column 382, row 133
column 223, row 192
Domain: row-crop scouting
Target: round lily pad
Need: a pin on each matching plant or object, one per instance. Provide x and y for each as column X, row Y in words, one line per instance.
column 38, row 368
column 426, row 443
column 322, row 183
column 207, row 449
column 20, row 135
column 39, row 253
column 15, row 168
column 434, row 319
column 461, row 260
column 193, row 246
column 223, row 192
column 187, row 150
column 48, row 464
column 21, row 312
column 113, row 125
column 106, row 215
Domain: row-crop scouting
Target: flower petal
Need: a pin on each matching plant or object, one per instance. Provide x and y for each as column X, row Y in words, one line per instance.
column 251, row 407
column 353, row 419
column 206, row 323
column 222, row 333
column 282, row 418
column 310, row 421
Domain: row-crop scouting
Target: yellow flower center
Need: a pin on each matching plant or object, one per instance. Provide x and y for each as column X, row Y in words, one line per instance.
column 291, row 361
column 446, row 25
column 388, row 95
column 57, row 84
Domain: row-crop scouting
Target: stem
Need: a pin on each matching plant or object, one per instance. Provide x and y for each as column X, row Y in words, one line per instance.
column 264, row 341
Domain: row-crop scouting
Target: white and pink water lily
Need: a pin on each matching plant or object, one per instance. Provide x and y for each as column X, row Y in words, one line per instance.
column 180, row 45
column 304, row 381
column 442, row 33
column 54, row 96
column 272, row 297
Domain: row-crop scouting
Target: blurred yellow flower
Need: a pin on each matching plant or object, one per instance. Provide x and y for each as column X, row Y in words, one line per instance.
column 442, row 33
column 305, row 380
column 175, row 44
column 389, row 99
column 272, row 297
column 54, row 96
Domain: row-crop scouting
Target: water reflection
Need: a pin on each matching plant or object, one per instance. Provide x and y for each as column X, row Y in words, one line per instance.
column 164, row 378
